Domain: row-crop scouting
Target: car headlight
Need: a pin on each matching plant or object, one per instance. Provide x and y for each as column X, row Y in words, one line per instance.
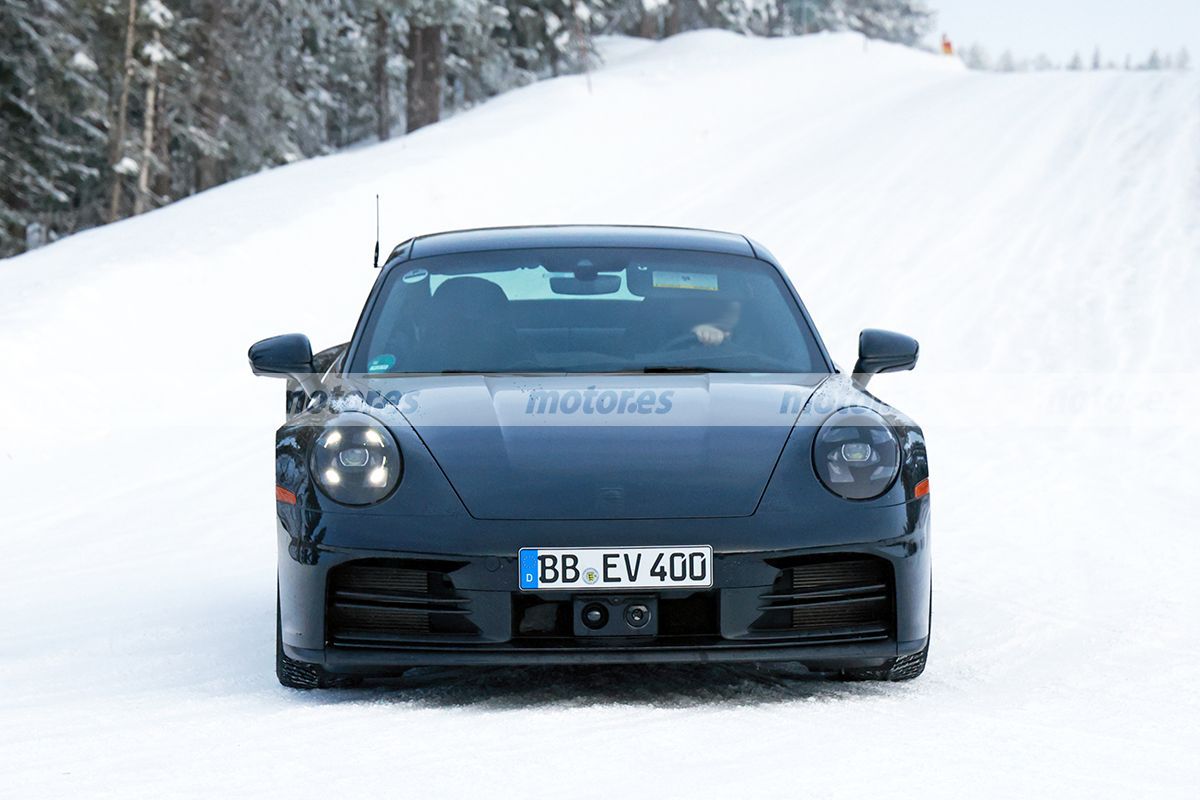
column 355, row 460
column 856, row 454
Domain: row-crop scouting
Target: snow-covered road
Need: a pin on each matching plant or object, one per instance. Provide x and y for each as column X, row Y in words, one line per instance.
column 1038, row 233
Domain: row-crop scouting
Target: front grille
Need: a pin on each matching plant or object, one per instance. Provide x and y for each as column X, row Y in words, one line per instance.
column 385, row 602
column 838, row 598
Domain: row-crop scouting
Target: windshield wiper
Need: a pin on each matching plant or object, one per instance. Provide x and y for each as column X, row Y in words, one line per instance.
column 683, row 368
column 495, row 372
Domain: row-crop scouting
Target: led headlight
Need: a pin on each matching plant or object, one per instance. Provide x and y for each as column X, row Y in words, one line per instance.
column 856, row 454
column 355, row 460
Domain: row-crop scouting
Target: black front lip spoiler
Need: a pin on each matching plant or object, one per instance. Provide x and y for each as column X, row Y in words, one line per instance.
column 815, row 657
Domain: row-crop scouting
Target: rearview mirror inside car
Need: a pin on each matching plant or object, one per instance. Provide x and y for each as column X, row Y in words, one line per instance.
column 599, row 284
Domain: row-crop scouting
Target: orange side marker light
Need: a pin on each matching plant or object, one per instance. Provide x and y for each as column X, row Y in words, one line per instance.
column 284, row 496
column 921, row 489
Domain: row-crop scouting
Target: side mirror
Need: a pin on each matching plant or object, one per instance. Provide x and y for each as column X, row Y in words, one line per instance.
column 284, row 356
column 883, row 351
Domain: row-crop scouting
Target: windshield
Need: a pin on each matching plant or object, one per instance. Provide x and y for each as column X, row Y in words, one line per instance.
column 585, row 310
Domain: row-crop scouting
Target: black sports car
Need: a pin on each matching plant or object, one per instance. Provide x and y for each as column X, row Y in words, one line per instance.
column 589, row 444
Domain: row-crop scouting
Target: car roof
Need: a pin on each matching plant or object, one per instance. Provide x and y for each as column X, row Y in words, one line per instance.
column 540, row 236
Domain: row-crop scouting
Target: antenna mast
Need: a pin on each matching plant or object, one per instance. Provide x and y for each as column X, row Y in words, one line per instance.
column 376, row 231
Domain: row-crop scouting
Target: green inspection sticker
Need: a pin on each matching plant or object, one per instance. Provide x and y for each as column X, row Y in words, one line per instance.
column 705, row 282
column 382, row 363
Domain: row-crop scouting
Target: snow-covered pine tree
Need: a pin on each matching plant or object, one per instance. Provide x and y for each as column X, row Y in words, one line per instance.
column 552, row 37
column 976, row 57
column 52, row 120
column 748, row 16
column 111, row 107
column 904, row 21
column 479, row 64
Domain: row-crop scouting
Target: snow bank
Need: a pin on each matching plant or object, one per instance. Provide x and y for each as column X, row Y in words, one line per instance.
column 1037, row 232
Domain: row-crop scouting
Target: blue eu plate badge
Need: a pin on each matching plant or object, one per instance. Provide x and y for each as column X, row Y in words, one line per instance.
column 529, row 569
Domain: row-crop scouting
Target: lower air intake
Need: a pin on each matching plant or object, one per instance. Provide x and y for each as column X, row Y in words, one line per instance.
column 830, row 598
column 381, row 603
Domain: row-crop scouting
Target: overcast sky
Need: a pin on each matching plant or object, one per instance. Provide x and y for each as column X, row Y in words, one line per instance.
column 1060, row 28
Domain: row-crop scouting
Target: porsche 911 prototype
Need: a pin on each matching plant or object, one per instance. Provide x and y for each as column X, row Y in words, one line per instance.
column 594, row 445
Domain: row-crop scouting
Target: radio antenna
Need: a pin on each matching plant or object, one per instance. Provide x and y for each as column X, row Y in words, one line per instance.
column 376, row 231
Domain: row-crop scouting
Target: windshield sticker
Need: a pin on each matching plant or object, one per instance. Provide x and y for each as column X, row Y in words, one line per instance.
column 415, row 275
column 705, row 282
column 382, row 363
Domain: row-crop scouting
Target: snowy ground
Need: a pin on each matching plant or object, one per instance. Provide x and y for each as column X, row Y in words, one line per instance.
column 1039, row 233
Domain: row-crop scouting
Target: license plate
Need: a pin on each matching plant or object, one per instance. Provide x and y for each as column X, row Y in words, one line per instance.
column 609, row 568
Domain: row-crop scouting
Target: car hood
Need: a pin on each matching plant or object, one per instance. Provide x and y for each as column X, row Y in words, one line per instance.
column 604, row 447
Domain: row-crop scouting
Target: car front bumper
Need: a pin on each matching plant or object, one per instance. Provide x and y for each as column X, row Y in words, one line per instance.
column 468, row 609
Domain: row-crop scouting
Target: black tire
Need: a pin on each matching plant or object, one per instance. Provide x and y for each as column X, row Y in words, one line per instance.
column 299, row 674
column 902, row 668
